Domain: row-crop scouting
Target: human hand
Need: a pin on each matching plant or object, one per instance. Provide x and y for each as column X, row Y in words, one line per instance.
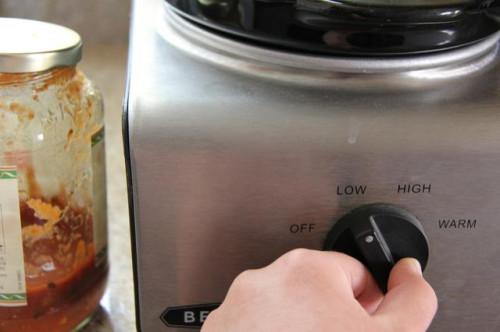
column 314, row 291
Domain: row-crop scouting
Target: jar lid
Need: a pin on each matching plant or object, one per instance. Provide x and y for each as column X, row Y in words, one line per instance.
column 348, row 27
column 32, row 46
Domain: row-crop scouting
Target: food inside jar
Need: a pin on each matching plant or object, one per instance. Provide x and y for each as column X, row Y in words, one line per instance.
column 64, row 282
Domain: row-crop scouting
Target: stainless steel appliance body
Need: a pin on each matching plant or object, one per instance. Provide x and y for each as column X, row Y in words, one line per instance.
column 237, row 154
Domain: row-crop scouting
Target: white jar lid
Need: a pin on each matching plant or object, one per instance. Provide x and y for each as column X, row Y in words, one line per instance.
column 32, row 46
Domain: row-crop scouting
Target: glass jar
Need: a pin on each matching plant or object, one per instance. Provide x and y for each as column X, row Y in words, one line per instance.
column 53, row 235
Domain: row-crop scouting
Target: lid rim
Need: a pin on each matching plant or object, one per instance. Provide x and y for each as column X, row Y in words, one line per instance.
column 67, row 53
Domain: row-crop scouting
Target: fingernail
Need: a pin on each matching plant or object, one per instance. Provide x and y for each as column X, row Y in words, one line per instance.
column 414, row 265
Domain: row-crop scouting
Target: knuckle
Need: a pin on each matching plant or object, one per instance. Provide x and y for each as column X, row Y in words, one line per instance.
column 299, row 267
column 244, row 278
column 297, row 260
column 243, row 285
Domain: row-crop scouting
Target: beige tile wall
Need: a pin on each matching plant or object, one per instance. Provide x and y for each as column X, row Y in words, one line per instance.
column 98, row 21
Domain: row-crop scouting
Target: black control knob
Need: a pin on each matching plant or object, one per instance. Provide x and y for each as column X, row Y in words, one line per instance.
column 379, row 235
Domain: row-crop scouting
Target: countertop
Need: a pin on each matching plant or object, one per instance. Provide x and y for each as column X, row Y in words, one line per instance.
column 106, row 65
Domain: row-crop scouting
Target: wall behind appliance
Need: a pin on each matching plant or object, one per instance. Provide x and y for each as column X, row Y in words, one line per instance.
column 98, row 21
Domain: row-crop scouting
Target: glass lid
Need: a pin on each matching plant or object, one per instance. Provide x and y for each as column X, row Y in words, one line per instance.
column 348, row 27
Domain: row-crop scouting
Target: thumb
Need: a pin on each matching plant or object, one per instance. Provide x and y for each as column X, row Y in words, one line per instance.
column 410, row 303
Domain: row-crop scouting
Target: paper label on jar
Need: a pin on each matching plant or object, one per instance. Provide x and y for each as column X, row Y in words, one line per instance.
column 12, row 277
column 100, row 225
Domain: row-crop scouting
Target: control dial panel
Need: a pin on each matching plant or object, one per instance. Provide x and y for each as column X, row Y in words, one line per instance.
column 379, row 235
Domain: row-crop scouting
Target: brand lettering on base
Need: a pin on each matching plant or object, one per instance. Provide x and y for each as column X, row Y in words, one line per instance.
column 191, row 317
column 188, row 316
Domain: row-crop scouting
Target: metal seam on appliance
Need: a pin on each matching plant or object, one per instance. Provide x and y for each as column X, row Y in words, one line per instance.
column 260, row 61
